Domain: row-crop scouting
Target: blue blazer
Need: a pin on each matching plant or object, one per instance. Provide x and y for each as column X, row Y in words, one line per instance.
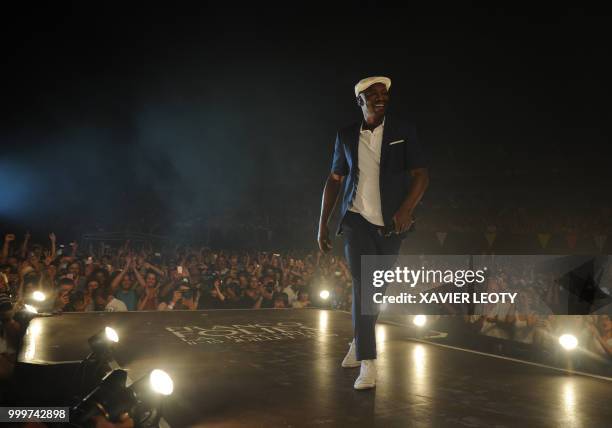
column 400, row 153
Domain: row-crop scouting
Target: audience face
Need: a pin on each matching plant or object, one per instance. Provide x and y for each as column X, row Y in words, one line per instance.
column 151, row 280
column 101, row 301
column 127, row 281
column 74, row 269
column 92, row 285
column 51, row 271
column 66, row 289
column 78, row 303
column 100, row 277
column 243, row 281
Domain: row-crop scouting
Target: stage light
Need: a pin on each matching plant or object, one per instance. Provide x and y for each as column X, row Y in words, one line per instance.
column 102, row 343
column 568, row 341
column 161, row 382
column 419, row 320
column 38, row 296
column 142, row 399
column 110, row 398
column 324, row 294
column 27, row 314
column 111, row 334
column 29, row 308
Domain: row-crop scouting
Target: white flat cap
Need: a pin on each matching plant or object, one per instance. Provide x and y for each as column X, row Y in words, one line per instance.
column 364, row 84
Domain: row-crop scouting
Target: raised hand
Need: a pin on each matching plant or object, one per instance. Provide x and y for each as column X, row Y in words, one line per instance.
column 48, row 258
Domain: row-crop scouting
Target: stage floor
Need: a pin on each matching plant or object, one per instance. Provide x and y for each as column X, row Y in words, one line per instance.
column 281, row 368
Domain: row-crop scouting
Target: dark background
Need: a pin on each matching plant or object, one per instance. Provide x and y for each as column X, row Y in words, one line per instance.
column 161, row 120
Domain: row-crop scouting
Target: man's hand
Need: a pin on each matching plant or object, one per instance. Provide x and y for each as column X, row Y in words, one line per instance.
column 323, row 239
column 402, row 220
column 9, row 237
column 52, row 237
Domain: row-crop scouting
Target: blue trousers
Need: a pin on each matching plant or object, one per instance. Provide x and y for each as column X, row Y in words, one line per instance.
column 364, row 238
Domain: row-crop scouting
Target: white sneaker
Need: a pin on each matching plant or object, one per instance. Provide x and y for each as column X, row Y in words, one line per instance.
column 367, row 375
column 350, row 360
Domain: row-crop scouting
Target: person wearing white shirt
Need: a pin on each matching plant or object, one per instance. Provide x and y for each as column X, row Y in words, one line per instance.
column 381, row 174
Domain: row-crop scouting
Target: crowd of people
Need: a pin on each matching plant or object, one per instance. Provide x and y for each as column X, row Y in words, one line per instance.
column 549, row 298
column 139, row 277
column 136, row 277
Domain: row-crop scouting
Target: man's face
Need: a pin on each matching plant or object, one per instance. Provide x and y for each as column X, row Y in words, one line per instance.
column 100, row 301
column 100, row 277
column 92, row 285
column 65, row 289
column 126, row 282
column 52, row 270
column 74, row 269
column 151, row 280
column 374, row 100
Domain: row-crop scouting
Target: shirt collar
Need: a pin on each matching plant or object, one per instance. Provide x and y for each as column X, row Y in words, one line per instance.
column 381, row 126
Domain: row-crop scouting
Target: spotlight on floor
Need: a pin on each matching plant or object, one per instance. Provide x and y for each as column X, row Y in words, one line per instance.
column 142, row 399
column 161, row 382
column 324, row 294
column 29, row 308
column 568, row 341
column 26, row 315
column 38, row 296
column 103, row 343
column 110, row 399
column 419, row 320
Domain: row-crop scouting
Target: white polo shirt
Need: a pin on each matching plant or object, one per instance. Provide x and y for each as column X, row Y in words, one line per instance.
column 367, row 197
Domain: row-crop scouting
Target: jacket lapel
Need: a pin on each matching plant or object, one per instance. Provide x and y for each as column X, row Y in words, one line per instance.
column 387, row 138
column 353, row 139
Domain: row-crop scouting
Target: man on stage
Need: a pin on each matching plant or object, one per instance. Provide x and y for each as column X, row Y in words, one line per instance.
column 382, row 173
